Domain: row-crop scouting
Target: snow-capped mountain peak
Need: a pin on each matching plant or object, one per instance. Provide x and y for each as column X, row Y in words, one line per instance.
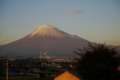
column 49, row 30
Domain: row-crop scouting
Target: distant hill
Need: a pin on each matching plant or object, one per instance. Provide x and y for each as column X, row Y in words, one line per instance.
column 45, row 38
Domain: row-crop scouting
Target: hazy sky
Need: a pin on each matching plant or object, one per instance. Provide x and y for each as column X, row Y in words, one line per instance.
column 94, row 20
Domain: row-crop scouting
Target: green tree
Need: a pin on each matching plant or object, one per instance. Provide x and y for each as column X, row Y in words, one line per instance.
column 97, row 62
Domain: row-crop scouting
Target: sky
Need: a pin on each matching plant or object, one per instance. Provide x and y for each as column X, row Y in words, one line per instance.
column 94, row 20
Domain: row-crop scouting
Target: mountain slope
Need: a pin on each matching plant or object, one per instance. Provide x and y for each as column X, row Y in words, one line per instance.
column 47, row 39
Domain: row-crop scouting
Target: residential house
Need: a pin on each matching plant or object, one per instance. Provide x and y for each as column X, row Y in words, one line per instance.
column 67, row 75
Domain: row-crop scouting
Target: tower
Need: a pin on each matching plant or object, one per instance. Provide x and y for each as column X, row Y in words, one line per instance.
column 45, row 55
column 41, row 55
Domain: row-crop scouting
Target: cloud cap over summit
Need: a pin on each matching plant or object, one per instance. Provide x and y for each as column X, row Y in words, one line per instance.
column 49, row 30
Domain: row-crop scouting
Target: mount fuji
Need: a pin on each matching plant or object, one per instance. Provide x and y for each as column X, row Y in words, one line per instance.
column 45, row 38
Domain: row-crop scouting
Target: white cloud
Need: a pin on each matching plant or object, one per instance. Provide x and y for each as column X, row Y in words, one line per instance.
column 60, row 13
column 76, row 11
column 73, row 11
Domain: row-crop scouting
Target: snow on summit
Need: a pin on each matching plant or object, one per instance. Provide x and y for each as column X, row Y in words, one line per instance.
column 49, row 30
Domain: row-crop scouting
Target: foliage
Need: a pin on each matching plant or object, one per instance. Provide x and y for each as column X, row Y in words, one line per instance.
column 97, row 62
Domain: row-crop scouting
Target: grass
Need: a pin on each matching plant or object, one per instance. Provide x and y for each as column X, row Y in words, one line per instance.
column 25, row 78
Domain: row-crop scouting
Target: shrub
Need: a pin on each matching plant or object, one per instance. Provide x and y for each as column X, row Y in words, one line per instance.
column 98, row 62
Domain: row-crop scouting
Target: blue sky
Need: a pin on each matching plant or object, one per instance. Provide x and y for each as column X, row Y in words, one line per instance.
column 94, row 20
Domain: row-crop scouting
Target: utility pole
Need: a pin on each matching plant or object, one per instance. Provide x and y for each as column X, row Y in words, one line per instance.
column 30, row 63
column 7, row 70
column 5, row 61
